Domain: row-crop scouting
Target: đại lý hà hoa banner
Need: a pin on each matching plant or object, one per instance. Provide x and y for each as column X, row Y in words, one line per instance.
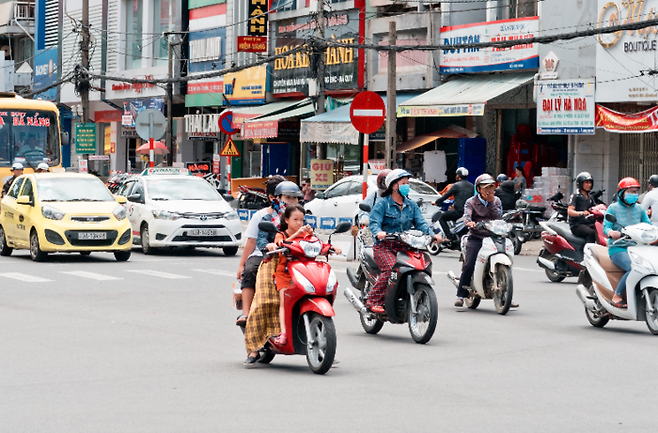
column 518, row 57
column 613, row 121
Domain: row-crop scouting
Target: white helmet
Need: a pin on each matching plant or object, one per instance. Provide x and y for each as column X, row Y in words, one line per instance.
column 17, row 166
column 462, row 172
column 43, row 166
column 396, row 174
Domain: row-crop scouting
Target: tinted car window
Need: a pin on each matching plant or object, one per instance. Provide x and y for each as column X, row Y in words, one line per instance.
column 16, row 187
column 125, row 189
column 356, row 188
column 338, row 190
column 27, row 189
column 138, row 189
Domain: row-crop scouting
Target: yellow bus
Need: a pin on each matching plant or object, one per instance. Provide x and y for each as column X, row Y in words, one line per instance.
column 29, row 134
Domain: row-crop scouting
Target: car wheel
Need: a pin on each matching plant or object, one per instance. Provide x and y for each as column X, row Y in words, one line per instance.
column 230, row 251
column 122, row 256
column 4, row 249
column 144, row 240
column 36, row 253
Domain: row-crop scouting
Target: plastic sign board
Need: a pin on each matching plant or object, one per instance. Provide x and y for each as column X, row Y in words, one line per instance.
column 322, row 174
column 230, row 149
column 565, row 107
column 252, row 44
column 82, row 166
column 85, row 138
column 151, row 123
column 311, row 220
column 367, row 112
column 226, row 123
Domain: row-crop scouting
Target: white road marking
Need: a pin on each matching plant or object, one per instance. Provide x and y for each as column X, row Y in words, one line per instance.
column 26, row 278
column 158, row 274
column 217, row 272
column 527, row 269
column 91, row 275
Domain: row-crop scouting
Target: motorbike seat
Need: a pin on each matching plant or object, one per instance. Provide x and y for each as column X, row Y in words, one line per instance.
column 370, row 258
column 563, row 230
column 613, row 272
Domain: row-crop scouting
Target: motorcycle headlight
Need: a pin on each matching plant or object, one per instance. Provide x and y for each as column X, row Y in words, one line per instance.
column 311, row 249
column 233, row 215
column 119, row 213
column 51, row 213
column 641, row 263
column 303, row 281
column 417, row 242
column 332, row 282
column 164, row 215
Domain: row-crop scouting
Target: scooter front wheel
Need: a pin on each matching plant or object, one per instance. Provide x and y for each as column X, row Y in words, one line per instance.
column 652, row 318
column 423, row 323
column 320, row 352
column 434, row 248
column 503, row 293
column 554, row 276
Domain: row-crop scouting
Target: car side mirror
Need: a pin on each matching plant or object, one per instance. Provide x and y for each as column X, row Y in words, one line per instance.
column 66, row 138
column 121, row 199
column 365, row 207
column 267, row 226
column 136, row 198
column 609, row 217
column 342, row 227
column 321, row 195
column 24, row 199
column 228, row 197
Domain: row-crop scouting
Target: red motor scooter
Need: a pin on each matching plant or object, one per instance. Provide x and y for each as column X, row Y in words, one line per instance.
column 308, row 301
column 562, row 255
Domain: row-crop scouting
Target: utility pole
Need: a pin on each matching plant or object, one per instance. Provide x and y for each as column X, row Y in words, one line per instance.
column 391, row 115
column 321, row 147
column 84, row 90
column 170, row 101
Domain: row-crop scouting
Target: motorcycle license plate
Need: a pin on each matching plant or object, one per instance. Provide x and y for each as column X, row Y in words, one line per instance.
column 92, row 236
column 203, row 232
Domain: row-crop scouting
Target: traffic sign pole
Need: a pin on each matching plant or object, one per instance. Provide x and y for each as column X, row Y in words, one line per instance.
column 228, row 172
column 365, row 165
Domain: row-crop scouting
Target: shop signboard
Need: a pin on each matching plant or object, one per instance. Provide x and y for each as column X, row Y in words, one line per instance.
column 518, row 57
column 199, row 169
column 207, row 50
column 107, row 140
column 267, row 129
column 565, row 107
column 85, row 138
column 441, row 110
column 291, row 73
column 202, row 126
column 624, row 58
column 45, row 73
column 246, row 87
column 252, row 44
column 133, row 107
column 322, row 174
column 328, row 132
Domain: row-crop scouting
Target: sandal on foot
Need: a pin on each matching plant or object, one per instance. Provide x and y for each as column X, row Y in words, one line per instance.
column 377, row 309
column 281, row 339
column 619, row 305
column 242, row 321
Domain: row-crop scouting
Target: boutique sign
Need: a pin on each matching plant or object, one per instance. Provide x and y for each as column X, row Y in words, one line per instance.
column 624, row 57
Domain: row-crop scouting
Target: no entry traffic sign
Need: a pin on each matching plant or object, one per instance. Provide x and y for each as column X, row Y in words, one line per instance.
column 367, row 112
column 226, row 123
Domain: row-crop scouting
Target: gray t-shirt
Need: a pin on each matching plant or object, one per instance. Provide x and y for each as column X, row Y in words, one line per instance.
column 650, row 202
column 252, row 228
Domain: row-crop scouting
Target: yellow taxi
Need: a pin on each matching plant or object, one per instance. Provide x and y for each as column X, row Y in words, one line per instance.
column 63, row 212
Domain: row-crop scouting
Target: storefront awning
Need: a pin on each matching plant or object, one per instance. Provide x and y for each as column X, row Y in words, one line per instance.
column 462, row 96
column 268, row 126
column 240, row 115
column 452, row 131
column 335, row 126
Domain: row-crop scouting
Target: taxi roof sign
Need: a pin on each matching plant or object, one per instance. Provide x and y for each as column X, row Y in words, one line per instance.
column 166, row 170
column 230, row 149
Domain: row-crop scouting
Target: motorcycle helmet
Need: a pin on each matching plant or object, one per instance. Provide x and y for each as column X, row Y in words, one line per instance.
column 653, row 181
column 43, row 167
column 624, row 184
column 381, row 179
column 17, row 166
column 484, row 179
column 462, row 172
column 288, row 188
column 394, row 176
column 582, row 178
column 502, row 177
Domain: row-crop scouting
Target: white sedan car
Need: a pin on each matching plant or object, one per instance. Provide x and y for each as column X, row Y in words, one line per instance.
column 169, row 208
column 341, row 200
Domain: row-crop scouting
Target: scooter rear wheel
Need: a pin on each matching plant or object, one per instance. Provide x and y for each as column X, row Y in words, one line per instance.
column 320, row 354
column 652, row 318
column 554, row 276
column 371, row 326
column 266, row 357
column 473, row 302
column 423, row 323
column 503, row 293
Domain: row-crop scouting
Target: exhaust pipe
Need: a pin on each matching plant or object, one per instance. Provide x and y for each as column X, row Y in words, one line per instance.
column 546, row 264
column 453, row 279
column 585, row 297
column 355, row 301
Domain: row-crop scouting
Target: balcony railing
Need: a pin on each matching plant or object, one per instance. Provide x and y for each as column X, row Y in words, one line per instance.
column 24, row 11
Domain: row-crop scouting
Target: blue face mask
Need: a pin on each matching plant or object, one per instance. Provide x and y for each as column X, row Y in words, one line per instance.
column 404, row 190
column 631, row 198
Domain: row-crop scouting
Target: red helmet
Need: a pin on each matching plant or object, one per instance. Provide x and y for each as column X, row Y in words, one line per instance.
column 628, row 182
column 381, row 178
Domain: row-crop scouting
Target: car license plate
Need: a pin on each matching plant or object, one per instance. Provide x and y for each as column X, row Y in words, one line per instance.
column 92, row 236
column 203, row 232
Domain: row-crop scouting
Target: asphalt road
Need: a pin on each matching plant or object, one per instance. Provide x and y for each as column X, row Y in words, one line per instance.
column 91, row 345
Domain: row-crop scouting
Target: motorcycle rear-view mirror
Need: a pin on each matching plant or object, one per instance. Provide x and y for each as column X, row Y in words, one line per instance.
column 342, row 227
column 610, row 218
column 267, row 226
column 364, row 207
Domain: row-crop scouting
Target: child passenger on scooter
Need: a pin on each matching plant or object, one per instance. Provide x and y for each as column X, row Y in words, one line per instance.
column 292, row 227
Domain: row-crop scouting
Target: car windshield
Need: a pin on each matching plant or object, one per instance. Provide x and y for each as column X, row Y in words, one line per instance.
column 72, row 189
column 183, row 188
column 422, row 188
column 29, row 137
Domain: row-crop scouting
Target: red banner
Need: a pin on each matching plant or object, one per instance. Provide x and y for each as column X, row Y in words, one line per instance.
column 612, row 121
column 267, row 129
column 252, row 44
